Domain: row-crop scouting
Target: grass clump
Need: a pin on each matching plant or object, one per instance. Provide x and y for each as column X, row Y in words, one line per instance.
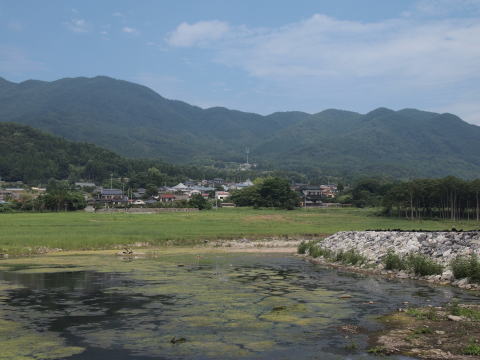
column 394, row 261
column 350, row 257
column 425, row 330
column 318, row 251
column 467, row 312
column 418, row 264
column 423, row 314
column 313, row 249
column 422, row 331
column 377, row 350
column 466, row 267
column 303, row 247
column 472, row 349
column 423, row 266
column 351, row 346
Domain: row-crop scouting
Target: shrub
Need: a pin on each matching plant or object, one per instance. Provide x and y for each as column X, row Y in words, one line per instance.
column 350, row 257
column 6, row 208
column 198, row 201
column 394, row 261
column 466, row 267
column 338, row 257
column 315, row 251
column 311, row 248
column 355, row 258
column 302, row 247
column 460, row 267
column 423, row 266
column 474, row 268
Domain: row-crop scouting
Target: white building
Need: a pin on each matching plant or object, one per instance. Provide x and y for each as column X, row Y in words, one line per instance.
column 221, row 195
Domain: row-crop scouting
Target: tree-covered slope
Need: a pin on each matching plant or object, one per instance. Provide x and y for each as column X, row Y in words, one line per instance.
column 136, row 122
column 405, row 143
column 34, row 157
column 131, row 119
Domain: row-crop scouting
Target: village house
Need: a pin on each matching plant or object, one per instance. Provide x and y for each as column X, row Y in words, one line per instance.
column 239, row 186
column 313, row 195
column 111, row 197
column 221, row 195
column 167, row 198
column 12, row 193
column 16, row 194
column 83, row 185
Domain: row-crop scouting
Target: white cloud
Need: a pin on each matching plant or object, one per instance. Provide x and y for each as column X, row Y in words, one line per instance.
column 78, row 25
column 402, row 50
column 199, row 33
column 118, row 14
column 423, row 52
column 415, row 60
column 130, row 30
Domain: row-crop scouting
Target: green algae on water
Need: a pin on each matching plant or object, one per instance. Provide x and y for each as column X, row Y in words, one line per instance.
column 223, row 305
column 17, row 342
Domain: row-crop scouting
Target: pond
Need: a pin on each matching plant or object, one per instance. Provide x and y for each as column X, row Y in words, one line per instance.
column 194, row 304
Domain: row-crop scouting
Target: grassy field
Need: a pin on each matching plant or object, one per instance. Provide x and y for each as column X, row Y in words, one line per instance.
column 24, row 233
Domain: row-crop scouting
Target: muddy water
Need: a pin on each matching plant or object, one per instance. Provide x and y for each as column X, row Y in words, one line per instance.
column 193, row 305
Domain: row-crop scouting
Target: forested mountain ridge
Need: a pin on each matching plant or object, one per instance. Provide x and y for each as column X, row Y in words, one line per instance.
column 34, row 157
column 131, row 119
column 134, row 121
column 407, row 143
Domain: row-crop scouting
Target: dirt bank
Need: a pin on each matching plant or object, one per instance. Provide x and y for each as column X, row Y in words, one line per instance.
column 450, row 332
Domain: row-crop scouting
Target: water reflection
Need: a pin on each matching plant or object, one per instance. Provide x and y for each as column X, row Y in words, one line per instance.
column 244, row 306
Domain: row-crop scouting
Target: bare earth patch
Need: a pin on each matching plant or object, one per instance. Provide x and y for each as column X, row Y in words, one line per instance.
column 431, row 333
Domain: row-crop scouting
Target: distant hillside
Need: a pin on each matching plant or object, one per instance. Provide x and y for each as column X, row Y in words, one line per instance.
column 34, row 157
column 134, row 121
column 405, row 143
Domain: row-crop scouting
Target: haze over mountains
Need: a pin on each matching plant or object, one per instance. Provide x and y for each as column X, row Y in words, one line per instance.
column 134, row 121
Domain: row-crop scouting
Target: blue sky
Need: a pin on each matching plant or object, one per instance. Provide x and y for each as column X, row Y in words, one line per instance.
column 261, row 56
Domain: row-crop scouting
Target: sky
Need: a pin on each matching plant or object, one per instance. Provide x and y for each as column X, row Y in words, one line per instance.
column 260, row 56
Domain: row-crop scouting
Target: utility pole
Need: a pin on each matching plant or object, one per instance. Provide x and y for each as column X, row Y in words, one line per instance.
column 124, row 198
column 111, row 181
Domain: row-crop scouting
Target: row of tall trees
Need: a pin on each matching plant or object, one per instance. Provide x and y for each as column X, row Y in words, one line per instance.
column 446, row 198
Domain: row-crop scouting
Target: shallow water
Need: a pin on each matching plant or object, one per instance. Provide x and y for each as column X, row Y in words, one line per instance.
column 194, row 305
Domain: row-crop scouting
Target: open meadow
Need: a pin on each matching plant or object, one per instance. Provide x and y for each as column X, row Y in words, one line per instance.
column 23, row 233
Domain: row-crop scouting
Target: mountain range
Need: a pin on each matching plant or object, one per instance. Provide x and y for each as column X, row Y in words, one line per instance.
column 134, row 121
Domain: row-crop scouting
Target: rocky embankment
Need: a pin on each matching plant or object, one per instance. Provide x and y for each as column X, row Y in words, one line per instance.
column 440, row 247
column 374, row 245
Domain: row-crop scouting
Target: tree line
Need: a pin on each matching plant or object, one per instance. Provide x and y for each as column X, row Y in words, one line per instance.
column 445, row 198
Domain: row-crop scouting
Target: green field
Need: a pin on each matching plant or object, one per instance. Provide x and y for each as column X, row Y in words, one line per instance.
column 23, row 233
